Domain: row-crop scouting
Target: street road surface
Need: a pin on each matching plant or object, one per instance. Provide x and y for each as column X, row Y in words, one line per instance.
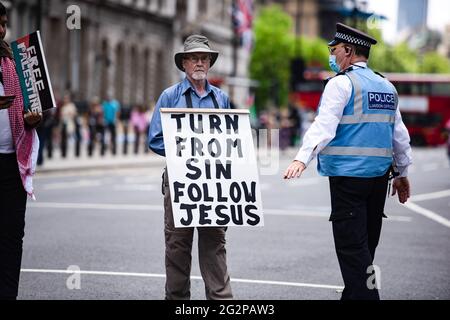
column 108, row 223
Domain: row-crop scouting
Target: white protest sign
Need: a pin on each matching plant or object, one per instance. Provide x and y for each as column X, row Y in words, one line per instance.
column 211, row 163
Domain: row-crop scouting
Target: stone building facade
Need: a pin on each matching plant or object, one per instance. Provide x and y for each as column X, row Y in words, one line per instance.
column 125, row 47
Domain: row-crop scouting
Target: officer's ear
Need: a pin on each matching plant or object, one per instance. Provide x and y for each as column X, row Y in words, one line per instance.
column 348, row 50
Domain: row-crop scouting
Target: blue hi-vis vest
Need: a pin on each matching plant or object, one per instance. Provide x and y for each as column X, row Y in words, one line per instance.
column 362, row 146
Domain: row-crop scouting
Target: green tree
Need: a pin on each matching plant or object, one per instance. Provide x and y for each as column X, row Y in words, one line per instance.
column 270, row 60
column 313, row 51
column 387, row 58
column 433, row 62
column 401, row 58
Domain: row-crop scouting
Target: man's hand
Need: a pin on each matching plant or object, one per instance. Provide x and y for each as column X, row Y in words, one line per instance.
column 295, row 169
column 32, row 118
column 6, row 101
column 401, row 185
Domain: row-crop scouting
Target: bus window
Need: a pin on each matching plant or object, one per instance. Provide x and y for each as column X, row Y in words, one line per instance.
column 413, row 88
column 310, row 86
column 421, row 120
column 403, row 88
column 420, row 89
column 440, row 89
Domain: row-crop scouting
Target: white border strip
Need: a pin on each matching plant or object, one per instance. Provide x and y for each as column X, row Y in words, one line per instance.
column 158, row 275
column 46, row 69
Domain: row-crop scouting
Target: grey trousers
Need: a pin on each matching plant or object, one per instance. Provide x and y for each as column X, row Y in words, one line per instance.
column 211, row 251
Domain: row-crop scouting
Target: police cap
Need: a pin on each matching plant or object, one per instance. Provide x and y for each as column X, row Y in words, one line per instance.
column 351, row 35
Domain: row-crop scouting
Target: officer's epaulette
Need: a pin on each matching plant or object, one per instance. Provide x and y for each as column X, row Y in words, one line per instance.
column 341, row 73
column 379, row 74
column 326, row 81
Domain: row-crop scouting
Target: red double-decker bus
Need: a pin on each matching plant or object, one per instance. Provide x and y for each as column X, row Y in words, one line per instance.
column 424, row 100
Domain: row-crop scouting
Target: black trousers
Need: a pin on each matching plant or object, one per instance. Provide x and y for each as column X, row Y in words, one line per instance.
column 357, row 210
column 13, row 199
column 112, row 131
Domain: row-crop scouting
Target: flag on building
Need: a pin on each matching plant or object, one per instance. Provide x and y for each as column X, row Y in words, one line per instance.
column 242, row 15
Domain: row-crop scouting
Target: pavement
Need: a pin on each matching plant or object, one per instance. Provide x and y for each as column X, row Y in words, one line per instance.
column 120, row 160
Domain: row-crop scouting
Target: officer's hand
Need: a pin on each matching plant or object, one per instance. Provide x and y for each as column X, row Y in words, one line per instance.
column 295, row 169
column 32, row 118
column 401, row 185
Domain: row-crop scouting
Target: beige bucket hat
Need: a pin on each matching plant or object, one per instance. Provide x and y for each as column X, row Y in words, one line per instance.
column 195, row 43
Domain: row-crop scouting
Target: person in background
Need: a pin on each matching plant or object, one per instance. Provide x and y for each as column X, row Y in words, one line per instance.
column 68, row 117
column 45, row 133
column 96, row 127
column 111, row 108
column 139, row 121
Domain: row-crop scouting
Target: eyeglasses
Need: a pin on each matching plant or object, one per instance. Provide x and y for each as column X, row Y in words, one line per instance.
column 195, row 59
column 332, row 49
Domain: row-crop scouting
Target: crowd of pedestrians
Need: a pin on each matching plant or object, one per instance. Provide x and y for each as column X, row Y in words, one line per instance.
column 94, row 128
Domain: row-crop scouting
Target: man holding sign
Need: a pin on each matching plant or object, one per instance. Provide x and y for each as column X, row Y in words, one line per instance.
column 193, row 92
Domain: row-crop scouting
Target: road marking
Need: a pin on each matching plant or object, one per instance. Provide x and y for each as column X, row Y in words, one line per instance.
column 95, row 206
column 295, row 212
column 72, row 184
column 399, row 218
column 304, row 212
column 159, row 275
column 304, row 181
column 320, row 214
column 265, row 186
column 430, row 167
column 136, row 187
column 431, row 195
column 88, row 172
column 140, row 179
column 427, row 213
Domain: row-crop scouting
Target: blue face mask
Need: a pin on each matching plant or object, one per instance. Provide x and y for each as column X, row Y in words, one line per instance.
column 333, row 64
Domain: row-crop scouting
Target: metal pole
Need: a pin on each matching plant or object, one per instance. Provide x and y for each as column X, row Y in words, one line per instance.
column 39, row 18
column 297, row 19
column 235, row 44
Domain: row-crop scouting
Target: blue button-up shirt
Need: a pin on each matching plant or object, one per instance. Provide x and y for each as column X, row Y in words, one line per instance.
column 173, row 97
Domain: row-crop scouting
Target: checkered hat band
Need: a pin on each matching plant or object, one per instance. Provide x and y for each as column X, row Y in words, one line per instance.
column 351, row 39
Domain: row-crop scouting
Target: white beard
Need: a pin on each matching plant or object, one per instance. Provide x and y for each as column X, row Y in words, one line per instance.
column 199, row 75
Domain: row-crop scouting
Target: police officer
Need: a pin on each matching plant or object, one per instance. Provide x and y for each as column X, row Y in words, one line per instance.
column 357, row 136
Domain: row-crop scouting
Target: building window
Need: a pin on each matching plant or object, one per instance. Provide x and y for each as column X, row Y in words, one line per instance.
column 159, row 80
column 119, row 72
column 134, row 75
column 160, row 4
column 104, row 62
column 203, row 7
column 181, row 9
column 146, row 78
column 224, row 11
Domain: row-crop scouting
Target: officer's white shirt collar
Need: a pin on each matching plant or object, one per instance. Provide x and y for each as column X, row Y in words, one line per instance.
column 360, row 64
